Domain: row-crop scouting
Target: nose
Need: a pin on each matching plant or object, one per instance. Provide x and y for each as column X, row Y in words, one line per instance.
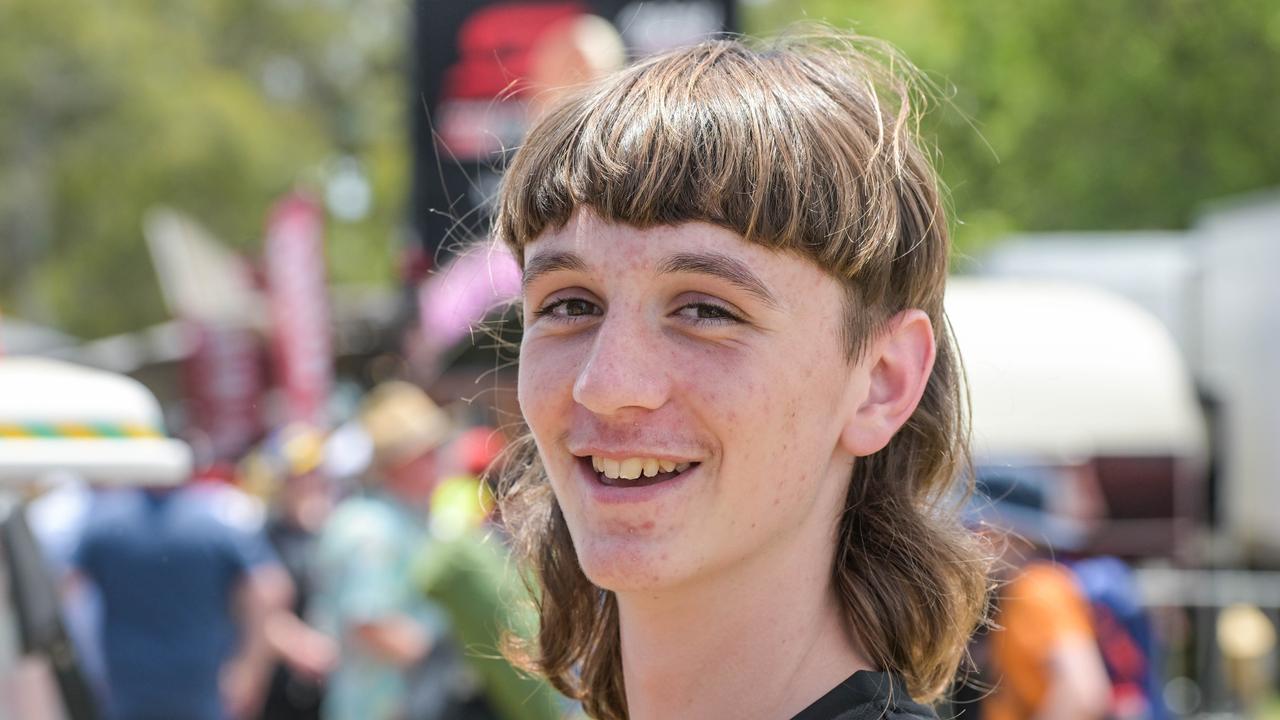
column 624, row 368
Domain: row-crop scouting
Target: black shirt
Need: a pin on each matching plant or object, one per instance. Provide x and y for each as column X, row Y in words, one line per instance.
column 867, row 696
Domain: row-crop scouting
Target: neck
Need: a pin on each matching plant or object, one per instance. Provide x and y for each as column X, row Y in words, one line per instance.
column 764, row 640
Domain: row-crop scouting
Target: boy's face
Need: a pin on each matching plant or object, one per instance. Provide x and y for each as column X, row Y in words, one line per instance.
column 686, row 346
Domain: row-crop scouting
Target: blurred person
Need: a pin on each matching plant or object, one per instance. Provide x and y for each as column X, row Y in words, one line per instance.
column 290, row 465
column 364, row 594
column 1131, row 650
column 468, row 573
column 1042, row 659
column 187, row 580
column 742, row 394
column 1044, row 656
column 57, row 519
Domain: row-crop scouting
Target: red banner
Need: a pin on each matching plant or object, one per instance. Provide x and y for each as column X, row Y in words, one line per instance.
column 299, row 307
column 224, row 384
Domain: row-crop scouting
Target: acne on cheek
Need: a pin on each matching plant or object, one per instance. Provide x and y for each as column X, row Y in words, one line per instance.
column 795, row 488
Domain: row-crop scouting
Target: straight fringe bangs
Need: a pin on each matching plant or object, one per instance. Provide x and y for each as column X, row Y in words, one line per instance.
column 807, row 144
column 804, row 144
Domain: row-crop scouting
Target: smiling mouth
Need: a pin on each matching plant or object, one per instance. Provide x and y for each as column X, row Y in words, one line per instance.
column 634, row 472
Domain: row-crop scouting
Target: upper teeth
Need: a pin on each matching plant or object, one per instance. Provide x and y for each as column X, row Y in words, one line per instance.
column 632, row 468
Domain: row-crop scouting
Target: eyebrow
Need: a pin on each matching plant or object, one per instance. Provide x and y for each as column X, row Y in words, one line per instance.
column 549, row 262
column 731, row 270
column 728, row 269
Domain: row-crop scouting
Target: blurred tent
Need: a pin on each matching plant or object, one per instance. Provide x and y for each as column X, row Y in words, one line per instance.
column 1155, row 269
column 201, row 278
column 1213, row 288
column 106, row 428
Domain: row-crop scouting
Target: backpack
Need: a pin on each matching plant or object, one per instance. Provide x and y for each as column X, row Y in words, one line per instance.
column 1125, row 639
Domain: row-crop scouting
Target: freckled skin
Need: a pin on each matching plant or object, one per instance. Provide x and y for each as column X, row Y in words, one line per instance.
column 759, row 403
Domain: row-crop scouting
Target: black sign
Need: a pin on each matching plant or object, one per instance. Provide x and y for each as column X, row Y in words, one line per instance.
column 474, row 66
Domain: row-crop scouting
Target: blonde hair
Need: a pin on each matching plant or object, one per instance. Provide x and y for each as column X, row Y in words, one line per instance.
column 806, row 145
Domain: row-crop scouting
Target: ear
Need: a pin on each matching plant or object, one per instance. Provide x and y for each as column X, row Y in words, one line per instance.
column 897, row 367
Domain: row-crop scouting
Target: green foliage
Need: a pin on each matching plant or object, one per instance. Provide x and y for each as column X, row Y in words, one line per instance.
column 1081, row 114
column 107, row 109
column 1062, row 114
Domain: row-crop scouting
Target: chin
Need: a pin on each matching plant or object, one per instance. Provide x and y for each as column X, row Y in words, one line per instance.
column 627, row 563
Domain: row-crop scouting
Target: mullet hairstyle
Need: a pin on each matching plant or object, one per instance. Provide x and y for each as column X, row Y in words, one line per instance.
column 808, row 145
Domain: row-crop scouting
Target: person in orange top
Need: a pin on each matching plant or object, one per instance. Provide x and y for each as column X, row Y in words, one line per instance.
column 1046, row 653
column 1042, row 656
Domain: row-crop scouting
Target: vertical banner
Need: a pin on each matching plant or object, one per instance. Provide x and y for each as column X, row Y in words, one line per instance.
column 224, row 383
column 211, row 289
column 298, row 300
column 480, row 70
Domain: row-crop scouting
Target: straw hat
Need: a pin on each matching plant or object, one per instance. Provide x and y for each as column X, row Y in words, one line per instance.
column 402, row 422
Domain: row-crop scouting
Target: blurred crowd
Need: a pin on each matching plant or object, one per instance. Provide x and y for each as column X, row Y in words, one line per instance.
column 330, row 573
column 360, row 571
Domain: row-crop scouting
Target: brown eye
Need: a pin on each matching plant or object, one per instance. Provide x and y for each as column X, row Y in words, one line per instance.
column 707, row 313
column 578, row 306
column 571, row 307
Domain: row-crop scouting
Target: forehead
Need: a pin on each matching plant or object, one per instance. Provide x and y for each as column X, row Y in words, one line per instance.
column 618, row 246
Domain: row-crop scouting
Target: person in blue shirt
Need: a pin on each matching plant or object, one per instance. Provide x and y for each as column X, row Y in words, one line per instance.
column 185, row 580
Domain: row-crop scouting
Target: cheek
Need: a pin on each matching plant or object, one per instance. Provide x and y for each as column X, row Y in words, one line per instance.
column 545, row 382
column 780, row 424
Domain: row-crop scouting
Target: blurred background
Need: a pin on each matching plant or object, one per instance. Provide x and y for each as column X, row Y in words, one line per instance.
column 260, row 211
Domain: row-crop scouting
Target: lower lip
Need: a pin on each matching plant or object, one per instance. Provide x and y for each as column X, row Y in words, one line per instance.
column 614, row 495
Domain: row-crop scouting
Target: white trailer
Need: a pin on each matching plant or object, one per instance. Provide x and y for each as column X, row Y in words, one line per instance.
column 1086, row 386
column 1214, row 287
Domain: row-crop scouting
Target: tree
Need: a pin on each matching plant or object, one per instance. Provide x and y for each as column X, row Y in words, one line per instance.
column 1061, row 114
column 214, row 107
column 1085, row 114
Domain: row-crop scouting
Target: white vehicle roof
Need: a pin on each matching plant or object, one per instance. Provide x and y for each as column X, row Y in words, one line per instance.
column 107, row 428
column 1069, row 372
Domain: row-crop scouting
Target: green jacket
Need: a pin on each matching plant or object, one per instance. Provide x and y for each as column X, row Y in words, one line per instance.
column 472, row 578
